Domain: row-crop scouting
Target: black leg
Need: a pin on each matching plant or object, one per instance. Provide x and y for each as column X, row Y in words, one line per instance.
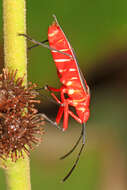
column 74, row 147
column 78, row 156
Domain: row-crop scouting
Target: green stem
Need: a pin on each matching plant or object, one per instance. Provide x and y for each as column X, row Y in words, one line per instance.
column 18, row 174
column 14, row 14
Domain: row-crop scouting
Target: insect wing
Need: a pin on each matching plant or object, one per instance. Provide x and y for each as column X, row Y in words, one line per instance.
column 58, row 41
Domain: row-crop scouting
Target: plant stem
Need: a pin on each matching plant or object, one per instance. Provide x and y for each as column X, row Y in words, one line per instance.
column 18, row 174
column 14, row 14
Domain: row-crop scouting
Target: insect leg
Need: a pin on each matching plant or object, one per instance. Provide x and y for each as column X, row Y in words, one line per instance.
column 65, row 121
column 74, row 147
column 54, row 96
column 74, row 116
column 49, row 120
column 59, row 115
column 46, row 87
column 78, row 156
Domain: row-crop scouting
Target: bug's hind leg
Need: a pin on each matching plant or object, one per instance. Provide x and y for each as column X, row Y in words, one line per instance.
column 74, row 147
column 78, row 156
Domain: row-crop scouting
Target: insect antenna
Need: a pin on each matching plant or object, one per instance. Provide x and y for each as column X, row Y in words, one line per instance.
column 74, row 147
column 44, row 45
column 36, row 45
column 78, row 156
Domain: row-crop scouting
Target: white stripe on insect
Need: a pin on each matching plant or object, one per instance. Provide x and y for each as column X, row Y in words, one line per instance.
column 73, row 78
column 61, row 60
column 81, row 109
column 62, row 50
column 53, row 33
column 54, row 51
column 63, row 81
column 62, row 70
column 72, row 69
column 69, row 83
column 71, row 91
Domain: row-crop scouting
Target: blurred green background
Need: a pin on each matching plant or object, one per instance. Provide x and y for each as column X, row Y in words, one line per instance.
column 97, row 30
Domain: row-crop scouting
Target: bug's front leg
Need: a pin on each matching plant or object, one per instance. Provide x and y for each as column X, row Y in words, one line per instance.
column 61, row 109
column 46, row 87
column 51, row 89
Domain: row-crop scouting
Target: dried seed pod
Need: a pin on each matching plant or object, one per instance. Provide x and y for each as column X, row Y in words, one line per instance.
column 19, row 133
column 13, row 95
column 20, row 123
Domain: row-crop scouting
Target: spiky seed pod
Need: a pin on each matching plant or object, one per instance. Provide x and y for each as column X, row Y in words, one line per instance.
column 20, row 125
column 18, row 134
column 13, row 95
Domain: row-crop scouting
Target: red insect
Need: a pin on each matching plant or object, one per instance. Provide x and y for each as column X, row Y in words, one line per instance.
column 73, row 84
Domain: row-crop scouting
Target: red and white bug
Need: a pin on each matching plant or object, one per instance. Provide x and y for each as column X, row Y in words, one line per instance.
column 73, row 84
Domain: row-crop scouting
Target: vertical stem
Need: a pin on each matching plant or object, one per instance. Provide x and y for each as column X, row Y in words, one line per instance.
column 18, row 174
column 14, row 14
column 14, row 19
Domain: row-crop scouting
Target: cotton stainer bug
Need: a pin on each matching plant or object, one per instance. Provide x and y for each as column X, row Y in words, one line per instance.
column 73, row 84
